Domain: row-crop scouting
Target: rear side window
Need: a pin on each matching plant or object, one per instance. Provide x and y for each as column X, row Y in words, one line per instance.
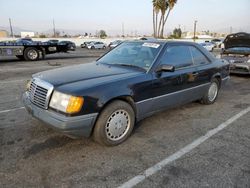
column 178, row 56
column 198, row 57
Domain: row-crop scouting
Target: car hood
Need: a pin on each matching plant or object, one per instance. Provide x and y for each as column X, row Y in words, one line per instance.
column 95, row 73
column 237, row 40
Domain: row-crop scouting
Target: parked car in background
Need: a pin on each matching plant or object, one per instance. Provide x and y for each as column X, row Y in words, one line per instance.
column 237, row 52
column 53, row 41
column 96, row 45
column 85, row 44
column 131, row 82
column 208, row 46
column 70, row 45
column 114, row 43
column 24, row 41
column 217, row 42
column 148, row 38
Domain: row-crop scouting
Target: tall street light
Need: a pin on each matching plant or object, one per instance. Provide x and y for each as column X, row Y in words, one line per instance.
column 195, row 22
column 11, row 30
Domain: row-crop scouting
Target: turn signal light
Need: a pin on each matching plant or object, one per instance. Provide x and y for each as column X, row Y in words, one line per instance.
column 75, row 104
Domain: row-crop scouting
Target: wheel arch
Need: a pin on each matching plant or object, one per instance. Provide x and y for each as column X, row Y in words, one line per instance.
column 125, row 98
column 218, row 77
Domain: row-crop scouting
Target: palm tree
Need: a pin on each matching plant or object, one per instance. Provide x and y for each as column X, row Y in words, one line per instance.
column 161, row 6
column 169, row 5
column 156, row 10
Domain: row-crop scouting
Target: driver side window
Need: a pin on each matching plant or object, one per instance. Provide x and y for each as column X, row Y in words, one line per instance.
column 178, row 56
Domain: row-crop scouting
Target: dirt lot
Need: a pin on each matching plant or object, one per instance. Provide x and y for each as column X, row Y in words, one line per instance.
column 32, row 155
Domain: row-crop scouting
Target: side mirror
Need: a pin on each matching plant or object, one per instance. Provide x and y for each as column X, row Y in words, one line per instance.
column 165, row 68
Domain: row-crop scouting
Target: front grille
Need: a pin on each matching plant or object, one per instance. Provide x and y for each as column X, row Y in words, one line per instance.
column 241, row 69
column 39, row 93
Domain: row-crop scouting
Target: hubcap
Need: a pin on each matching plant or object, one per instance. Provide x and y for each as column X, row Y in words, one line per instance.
column 212, row 92
column 117, row 125
column 32, row 54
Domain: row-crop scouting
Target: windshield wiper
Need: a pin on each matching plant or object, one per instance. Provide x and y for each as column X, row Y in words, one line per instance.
column 131, row 65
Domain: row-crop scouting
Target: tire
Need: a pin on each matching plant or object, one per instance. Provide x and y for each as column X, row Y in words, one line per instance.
column 92, row 47
column 104, row 47
column 212, row 92
column 31, row 54
column 115, row 124
column 20, row 57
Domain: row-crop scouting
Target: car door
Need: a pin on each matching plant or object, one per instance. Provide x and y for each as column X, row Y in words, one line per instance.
column 170, row 88
column 204, row 69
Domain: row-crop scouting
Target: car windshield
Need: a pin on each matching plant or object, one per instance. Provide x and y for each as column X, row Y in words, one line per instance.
column 132, row 54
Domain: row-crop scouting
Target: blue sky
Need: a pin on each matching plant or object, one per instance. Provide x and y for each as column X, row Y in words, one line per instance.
column 89, row 16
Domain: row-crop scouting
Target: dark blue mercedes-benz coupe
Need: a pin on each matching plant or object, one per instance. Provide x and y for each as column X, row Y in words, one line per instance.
column 133, row 81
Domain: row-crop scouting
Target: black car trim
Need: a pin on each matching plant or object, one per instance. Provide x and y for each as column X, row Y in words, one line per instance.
column 172, row 93
column 155, row 63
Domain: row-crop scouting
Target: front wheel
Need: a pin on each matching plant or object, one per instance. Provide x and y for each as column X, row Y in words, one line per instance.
column 212, row 92
column 115, row 124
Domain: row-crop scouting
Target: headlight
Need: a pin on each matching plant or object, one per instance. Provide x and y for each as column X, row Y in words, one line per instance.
column 66, row 103
column 28, row 84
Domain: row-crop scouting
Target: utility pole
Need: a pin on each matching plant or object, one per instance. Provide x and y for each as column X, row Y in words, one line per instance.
column 54, row 29
column 231, row 30
column 11, row 30
column 195, row 22
column 123, row 30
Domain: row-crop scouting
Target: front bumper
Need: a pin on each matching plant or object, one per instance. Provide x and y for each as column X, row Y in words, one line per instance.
column 77, row 126
column 240, row 69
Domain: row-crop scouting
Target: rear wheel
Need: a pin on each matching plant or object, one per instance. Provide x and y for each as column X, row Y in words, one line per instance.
column 31, row 54
column 115, row 124
column 212, row 92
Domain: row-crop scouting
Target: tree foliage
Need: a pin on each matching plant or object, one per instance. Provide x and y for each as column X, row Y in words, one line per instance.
column 102, row 34
column 161, row 8
column 177, row 33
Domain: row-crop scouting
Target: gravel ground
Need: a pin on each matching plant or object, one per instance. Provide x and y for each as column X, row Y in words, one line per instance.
column 32, row 155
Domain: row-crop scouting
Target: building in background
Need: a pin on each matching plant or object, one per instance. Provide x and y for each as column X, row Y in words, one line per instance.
column 203, row 35
column 4, row 34
column 25, row 34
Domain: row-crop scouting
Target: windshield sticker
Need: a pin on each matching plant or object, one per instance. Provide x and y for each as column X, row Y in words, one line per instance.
column 151, row 45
